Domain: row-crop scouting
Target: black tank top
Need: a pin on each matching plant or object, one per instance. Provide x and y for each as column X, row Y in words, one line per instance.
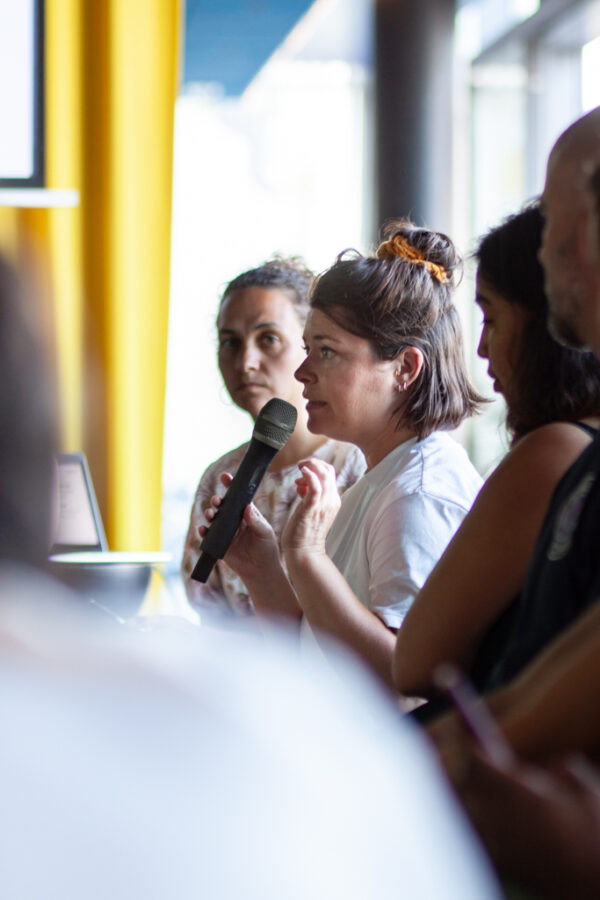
column 495, row 641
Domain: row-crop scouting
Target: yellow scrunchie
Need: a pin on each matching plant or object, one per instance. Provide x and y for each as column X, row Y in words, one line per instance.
column 399, row 246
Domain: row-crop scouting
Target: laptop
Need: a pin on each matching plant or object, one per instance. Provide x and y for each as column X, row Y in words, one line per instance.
column 79, row 527
column 80, row 557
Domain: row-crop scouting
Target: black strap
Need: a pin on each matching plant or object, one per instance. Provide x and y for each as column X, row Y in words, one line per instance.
column 589, row 429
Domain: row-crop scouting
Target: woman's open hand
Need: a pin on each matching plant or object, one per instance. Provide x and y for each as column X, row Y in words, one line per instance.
column 253, row 549
column 309, row 524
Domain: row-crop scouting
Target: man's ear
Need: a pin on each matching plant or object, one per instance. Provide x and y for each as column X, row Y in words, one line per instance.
column 587, row 246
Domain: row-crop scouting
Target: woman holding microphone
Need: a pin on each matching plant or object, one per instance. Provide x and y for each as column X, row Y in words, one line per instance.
column 260, row 321
column 384, row 370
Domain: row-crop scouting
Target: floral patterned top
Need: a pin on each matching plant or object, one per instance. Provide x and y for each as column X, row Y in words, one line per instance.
column 276, row 498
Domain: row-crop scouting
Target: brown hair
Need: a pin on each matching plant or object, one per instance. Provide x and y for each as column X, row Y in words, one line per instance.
column 289, row 274
column 402, row 297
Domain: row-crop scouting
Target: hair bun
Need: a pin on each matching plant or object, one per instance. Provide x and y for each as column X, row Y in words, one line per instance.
column 399, row 247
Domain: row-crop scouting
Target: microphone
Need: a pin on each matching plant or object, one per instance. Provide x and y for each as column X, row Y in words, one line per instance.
column 274, row 425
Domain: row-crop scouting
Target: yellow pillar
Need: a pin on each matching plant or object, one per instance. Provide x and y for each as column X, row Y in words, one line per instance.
column 131, row 68
column 63, row 170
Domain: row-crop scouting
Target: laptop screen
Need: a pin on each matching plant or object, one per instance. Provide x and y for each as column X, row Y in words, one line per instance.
column 79, row 526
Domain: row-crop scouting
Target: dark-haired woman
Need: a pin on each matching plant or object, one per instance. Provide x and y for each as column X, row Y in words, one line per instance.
column 260, row 321
column 465, row 611
column 384, row 370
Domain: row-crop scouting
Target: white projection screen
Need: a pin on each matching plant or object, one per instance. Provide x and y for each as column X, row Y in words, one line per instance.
column 21, row 93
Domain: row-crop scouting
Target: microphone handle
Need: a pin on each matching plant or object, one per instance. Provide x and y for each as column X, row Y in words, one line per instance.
column 229, row 515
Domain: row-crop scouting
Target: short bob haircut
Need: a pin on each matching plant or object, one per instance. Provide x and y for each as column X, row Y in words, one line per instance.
column 550, row 383
column 394, row 302
column 288, row 274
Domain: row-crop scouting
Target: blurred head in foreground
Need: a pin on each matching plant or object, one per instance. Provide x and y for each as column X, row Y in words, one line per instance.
column 27, row 427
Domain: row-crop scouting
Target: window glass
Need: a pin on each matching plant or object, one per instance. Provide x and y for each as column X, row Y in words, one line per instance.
column 525, row 71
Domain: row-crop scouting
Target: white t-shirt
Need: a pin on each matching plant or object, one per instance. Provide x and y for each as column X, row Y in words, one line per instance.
column 395, row 523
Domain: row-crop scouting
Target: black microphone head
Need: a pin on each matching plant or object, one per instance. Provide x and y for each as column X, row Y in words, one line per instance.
column 275, row 423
